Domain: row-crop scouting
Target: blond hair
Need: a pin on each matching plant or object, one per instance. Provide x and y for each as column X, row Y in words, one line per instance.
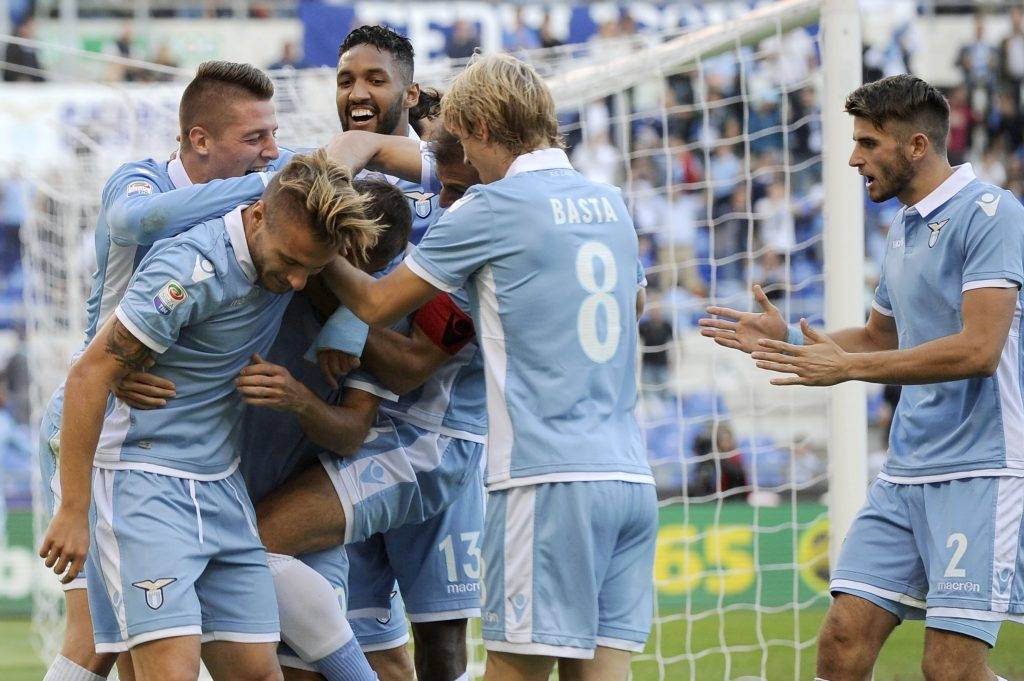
column 322, row 189
column 507, row 96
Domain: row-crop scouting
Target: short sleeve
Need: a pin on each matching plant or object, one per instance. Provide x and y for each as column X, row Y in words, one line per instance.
column 162, row 297
column 994, row 242
column 457, row 245
column 343, row 331
column 881, row 302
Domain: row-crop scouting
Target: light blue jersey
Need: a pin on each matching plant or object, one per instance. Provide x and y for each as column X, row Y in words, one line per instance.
column 194, row 301
column 549, row 260
column 149, row 200
column 965, row 235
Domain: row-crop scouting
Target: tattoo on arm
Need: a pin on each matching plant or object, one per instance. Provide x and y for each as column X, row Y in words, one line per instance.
column 126, row 348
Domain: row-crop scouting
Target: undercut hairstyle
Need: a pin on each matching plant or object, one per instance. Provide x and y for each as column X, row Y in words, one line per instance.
column 446, row 148
column 314, row 186
column 907, row 101
column 217, row 83
column 389, row 207
column 385, row 40
column 509, row 97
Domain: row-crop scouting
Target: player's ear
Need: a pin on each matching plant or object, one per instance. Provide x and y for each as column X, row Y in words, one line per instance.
column 412, row 95
column 919, row 146
column 481, row 132
column 199, row 140
column 259, row 213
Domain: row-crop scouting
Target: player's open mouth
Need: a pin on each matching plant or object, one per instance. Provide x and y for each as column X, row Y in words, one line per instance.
column 257, row 169
column 869, row 180
column 361, row 114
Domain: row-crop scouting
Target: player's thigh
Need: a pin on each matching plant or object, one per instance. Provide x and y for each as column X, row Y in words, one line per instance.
column 881, row 559
column 854, row 622
column 514, row 667
column 233, row 661
column 608, row 664
column 392, row 664
column 167, row 659
column 292, row 674
column 303, row 515
column 441, row 653
column 125, row 670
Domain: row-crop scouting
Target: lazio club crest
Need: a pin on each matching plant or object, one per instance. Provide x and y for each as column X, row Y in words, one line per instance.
column 154, row 590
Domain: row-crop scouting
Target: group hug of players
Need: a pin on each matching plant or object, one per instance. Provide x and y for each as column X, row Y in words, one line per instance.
column 272, row 447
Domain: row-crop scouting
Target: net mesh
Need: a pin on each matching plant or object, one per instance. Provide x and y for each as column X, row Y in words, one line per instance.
column 715, row 138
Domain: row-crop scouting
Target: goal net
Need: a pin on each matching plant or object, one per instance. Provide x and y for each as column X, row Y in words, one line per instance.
column 719, row 138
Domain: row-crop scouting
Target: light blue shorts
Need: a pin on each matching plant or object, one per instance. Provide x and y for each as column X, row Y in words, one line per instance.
column 568, row 567
column 436, row 564
column 383, row 630
column 176, row 557
column 946, row 552
column 49, row 453
column 402, row 475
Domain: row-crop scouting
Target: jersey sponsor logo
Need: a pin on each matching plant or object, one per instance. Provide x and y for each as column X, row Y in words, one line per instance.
column 203, row 269
column 169, row 297
column 154, row 590
column 373, row 474
column 989, row 203
column 421, row 202
column 972, row 587
column 936, row 227
column 139, row 187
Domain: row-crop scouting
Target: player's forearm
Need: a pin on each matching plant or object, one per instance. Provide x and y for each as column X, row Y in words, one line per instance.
column 951, row 358
column 360, row 293
column 386, row 153
column 144, row 220
column 862, row 339
column 85, row 402
column 395, row 361
column 335, row 428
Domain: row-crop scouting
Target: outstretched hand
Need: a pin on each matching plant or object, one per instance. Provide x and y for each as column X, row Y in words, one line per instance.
column 264, row 384
column 819, row 361
column 744, row 330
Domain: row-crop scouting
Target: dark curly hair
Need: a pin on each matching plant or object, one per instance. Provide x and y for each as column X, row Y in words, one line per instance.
column 385, row 40
column 907, row 101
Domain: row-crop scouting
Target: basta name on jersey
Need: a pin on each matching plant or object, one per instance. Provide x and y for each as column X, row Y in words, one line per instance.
column 582, row 210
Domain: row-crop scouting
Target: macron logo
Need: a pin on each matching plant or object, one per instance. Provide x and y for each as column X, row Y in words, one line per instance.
column 203, row 269
column 989, row 203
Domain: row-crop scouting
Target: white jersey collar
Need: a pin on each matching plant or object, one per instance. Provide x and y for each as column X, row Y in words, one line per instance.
column 541, row 159
column 236, row 232
column 176, row 170
column 961, row 177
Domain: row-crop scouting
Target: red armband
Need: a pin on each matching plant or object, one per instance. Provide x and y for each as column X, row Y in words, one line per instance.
column 445, row 323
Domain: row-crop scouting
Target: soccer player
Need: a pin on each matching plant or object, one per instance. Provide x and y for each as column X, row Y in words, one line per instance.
column 549, row 260
column 227, row 124
column 176, row 558
column 939, row 538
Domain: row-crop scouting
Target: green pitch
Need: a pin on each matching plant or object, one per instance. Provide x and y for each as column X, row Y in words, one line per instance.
column 900, row 660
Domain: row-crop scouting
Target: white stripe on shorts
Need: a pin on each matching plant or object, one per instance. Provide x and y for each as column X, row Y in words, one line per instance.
column 106, row 544
column 1009, row 513
column 519, row 516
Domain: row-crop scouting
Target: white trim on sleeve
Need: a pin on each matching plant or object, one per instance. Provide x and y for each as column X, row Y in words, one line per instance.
column 139, row 334
column 426, row 276
column 988, row 283
column 881, row 310
column 371, row 388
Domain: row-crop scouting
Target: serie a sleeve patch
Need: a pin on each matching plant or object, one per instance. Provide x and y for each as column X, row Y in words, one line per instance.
column 445, row 323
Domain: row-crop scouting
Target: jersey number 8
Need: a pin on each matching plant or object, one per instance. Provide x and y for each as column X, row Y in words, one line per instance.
column 600, row 297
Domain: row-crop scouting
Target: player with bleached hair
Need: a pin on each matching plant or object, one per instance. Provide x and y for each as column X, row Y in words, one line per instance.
column 550, row 262
column 176, row 560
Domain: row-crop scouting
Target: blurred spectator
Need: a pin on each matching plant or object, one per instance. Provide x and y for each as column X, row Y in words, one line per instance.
column 775, row 219
column 164, row 57
column 978, row 61
column 961, row 125
column 1005, row 123
column 724, row 172
column 656, row 335
column 521, row 37
column 13, row 211
column 728, row 236
column 546, row 33
column 22, row 64
column 1011, row 57
column 463, row 40
column 719, row 463
column 289, row 59
column 990, row 167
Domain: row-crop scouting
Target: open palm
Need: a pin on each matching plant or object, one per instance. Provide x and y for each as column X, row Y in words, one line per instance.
column 742, row 330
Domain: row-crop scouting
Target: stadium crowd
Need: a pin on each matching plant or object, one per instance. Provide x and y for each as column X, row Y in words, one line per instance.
column 705, row 231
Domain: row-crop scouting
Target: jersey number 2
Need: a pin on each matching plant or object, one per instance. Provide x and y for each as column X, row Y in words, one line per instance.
column 600, row 297
column 953, row 569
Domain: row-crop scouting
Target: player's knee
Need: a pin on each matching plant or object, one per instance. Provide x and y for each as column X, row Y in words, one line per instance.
column 392, row 664
column 440, row 650
column 264, row 673
column 842, row 649
column 80, row 648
